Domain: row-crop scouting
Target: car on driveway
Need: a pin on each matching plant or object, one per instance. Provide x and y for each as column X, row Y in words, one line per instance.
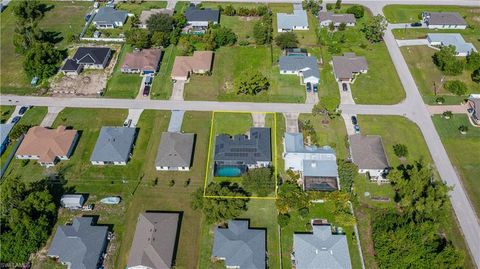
column 357, row 129
column 344, row 87
column 16, row 119
column 22, row 110
column 146, row 90
column 416, row 24
column 127, row 123
column 354, row 120
column 309, row 87
column 315, row 87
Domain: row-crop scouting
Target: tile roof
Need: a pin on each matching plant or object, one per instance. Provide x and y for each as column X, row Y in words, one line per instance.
column 114, row 144
column 335, row 18
column 444, row 18
column 345, row 66
column 240, row 246
column 454, row 39
column 306, row 64
column 195, row 14
column 154, row 241
column 109, row 15
column 288, row 21
column 80, row 244
column 47, row 143
column 175, row 150
column 200, row 60
column 321, row 249
column 249, row 150
column 368, row 152
column 146, row 59
column 145, row 15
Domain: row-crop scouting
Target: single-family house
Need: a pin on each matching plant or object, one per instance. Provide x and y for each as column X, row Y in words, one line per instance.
column 298, row 20
column 320, row 249
column 317, row 165
column 145, row 15
column 145, row 62
column 240, row 246
column 198, row 19
column 155, row 240
column 325, row 18
column 87, row 58
column 72, row 201
column 462, row 48
column 241, row 152
column 199, row 63
column 301, row 65
column 80, row 245
column 368, row 154
column 5, row 129
column 444, row 20
column 175, row 152
column 109, row 18
column 47, row 146
column 474, row 105
column 347, row 67
column 114, row 146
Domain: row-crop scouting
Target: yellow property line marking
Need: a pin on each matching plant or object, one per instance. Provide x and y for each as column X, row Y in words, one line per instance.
column 207, row 168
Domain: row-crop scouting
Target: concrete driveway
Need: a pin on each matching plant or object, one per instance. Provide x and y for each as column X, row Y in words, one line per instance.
column 291, row 121
column 312, row 98
column 176, row 120
column 412, row 42
column 177, row 91
column 51, row 116
column 134, row 115
column 347, row 118
column 258, row 119
column 345, row 96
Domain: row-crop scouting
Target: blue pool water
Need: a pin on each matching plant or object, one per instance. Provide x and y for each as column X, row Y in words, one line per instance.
column 228, row 171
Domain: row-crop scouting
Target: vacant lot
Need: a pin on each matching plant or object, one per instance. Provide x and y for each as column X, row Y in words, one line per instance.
column 122, row 85
column 231, row 62
column 463, row 151
column 162, row 83
column 137, row 8
column 63, row 18
column 6, row 112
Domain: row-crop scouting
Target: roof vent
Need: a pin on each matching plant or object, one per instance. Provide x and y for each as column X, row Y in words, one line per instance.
column 314, row 164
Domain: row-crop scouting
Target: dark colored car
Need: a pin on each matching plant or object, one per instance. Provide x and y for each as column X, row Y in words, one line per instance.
column 309, row 87
column 416, row 24
column 354, row 120
column 22, row 110
column 16, row 119
column 146, row 90
column 315, row 87
column 344, row 87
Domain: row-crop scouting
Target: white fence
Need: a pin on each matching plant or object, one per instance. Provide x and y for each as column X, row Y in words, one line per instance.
column 103, row 39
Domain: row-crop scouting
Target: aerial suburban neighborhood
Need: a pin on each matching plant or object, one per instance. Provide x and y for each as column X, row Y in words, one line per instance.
column 149, row 134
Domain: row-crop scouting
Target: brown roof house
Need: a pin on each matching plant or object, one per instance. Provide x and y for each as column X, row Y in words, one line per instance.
column 145, row 15
column 199, row 63
column 143, row 61
column 47, row 146
column 474, row 108
column 346, row 67
column 369, row 155
column 155, row 241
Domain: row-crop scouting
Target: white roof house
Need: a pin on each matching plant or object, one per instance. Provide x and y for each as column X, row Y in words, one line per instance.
column 301, row 65
column 298, row 20
column 72, row 201
column 462, row 48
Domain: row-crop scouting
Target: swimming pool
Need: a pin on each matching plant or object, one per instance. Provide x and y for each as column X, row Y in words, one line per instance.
column 228, row 171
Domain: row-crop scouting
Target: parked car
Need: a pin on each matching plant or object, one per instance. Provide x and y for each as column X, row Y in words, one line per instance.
column 148, row 80
column 345, row 87
column 416, row 24
column 354, row 120
column 146, row 90
column 309, row 87
column 16, row 119
column 22, row 110
column 357, row 129
column 315, row 87
column 127, row 123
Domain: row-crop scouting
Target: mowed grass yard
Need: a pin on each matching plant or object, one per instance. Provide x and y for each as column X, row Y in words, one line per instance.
column 6, row 112
column 395, row 130
column 463, row 151
column 64, row 18
column 231, row 62
column 122, row 85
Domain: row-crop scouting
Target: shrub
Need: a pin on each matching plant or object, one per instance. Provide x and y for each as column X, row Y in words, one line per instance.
column 357, row 10
column 476, row 76
column 463, row 128
column 456, row 87
column 17, row 131
column 286, row 40
column 400, row 150
column 440, row 100
column 338, row 4
column 330, row 6
column 447, row 114
column 303, row 212
column 171, row 183
column 446, row 61
column 283, row 220
column 342, row 27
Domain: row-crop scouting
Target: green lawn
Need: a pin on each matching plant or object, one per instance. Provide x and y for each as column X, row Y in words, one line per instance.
column 425, row 73
column 162, row 83
column 463, row 151
column 262, row 214
column 122, row 85
column 138, row 7
column 297, row 224
column 242, row 26
column 6, row 112
column 230, row 62
column 13, row 79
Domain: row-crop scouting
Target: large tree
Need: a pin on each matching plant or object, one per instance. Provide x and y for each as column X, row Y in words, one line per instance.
column 138, row 38
column 259, row 181
column 357, row 11
column 251, row 83
column 473, row 60
column 374, row 28
column 28, row 12
column 262, row 30
column 347, row 171
column 42, row 60
column 160, row 23
column 446, row 61
column 218, row 210
column 291, row 197
column 286, row 40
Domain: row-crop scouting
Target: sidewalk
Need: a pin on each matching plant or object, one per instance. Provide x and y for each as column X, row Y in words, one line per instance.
column 456, row 109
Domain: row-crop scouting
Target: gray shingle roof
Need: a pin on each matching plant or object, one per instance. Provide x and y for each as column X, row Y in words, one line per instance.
column 91, row 55
column 368, row 152
column 80, row 244
column 70, row 65
column 175, row 150
column 248, row 150
column 114, row 144
column 335, row 18
column 444, row 18
column 195, row 14
column 295, row 63
column 154, row 242
column 322, row 249
column 109, row 15
column 454, row 39
column 240, row 246
column 289, row 21
column 345, row 66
